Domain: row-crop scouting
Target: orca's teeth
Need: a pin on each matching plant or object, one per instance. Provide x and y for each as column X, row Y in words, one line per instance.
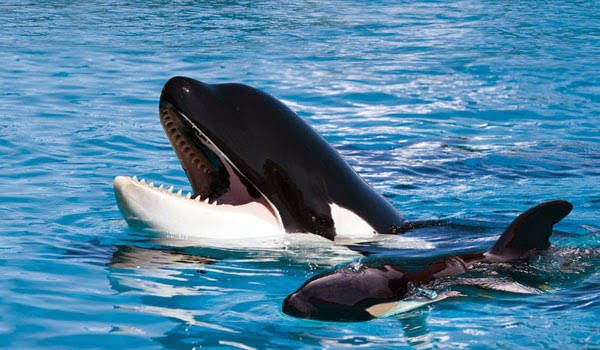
column 196, row 162
column 178, row 193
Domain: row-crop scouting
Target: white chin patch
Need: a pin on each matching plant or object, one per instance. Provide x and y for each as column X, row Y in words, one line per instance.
column 348, row 224
column 173, row 213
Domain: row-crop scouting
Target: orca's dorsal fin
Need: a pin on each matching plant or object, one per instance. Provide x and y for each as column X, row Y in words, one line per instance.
column 530, row 230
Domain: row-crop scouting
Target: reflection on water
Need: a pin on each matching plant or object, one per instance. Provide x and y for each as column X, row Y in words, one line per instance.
column 210, row 290
column 452, row 109
column 415, row 329
column 153, row 258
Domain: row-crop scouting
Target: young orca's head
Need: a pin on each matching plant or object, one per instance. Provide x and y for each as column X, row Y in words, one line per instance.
column 255, row 167
column 359, row 292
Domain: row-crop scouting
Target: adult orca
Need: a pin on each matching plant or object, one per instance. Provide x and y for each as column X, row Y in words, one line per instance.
column 256, row 169
column 360, row 292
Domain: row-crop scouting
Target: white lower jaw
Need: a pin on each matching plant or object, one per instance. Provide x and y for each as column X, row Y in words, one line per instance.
column 161, row 210
column 187, row 222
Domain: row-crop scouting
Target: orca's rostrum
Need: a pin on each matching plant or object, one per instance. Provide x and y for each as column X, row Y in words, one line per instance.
column 256, row 169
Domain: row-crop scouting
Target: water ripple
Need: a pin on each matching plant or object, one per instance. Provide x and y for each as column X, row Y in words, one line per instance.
column 452, row 109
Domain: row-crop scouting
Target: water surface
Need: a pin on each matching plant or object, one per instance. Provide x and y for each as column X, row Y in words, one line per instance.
column 464, row 110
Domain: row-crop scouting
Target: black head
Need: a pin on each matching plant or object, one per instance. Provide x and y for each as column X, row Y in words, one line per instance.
column 347, row 294
column 237, row 143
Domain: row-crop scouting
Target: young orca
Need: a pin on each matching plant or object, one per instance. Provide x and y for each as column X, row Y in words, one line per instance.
column 361, row 292
column 256, row 169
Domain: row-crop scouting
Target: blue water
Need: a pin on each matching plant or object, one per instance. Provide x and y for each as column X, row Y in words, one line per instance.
column 463, row 110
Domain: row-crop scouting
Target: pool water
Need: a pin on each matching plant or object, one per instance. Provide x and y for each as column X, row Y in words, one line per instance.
column 469, row 111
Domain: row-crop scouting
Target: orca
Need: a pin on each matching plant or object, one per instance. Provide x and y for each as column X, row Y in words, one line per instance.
column 363, row 291
column 256, row 169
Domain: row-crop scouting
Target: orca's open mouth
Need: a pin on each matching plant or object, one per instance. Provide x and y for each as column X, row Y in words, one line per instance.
column 246, row 152
column 220, row 193
column 212, row 176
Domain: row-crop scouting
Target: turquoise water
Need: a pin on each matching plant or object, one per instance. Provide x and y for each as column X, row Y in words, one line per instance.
column 465, row 110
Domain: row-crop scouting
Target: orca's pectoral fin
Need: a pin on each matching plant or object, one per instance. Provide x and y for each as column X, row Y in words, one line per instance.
column 397, row 308
column 531, row 230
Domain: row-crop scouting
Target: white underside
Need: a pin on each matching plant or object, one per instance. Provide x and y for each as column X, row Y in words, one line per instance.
column 177, row 215
column 349, row 225
column 183, row 221
column 395, row 308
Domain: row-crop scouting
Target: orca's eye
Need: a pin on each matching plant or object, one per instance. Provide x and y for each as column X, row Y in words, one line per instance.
column 321, row 221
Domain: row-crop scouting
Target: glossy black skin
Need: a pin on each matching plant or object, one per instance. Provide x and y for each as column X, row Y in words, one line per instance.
column 346, row 293
column 277, row 154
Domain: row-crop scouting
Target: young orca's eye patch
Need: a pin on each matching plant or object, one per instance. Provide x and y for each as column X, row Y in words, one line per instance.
column 322, row 221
